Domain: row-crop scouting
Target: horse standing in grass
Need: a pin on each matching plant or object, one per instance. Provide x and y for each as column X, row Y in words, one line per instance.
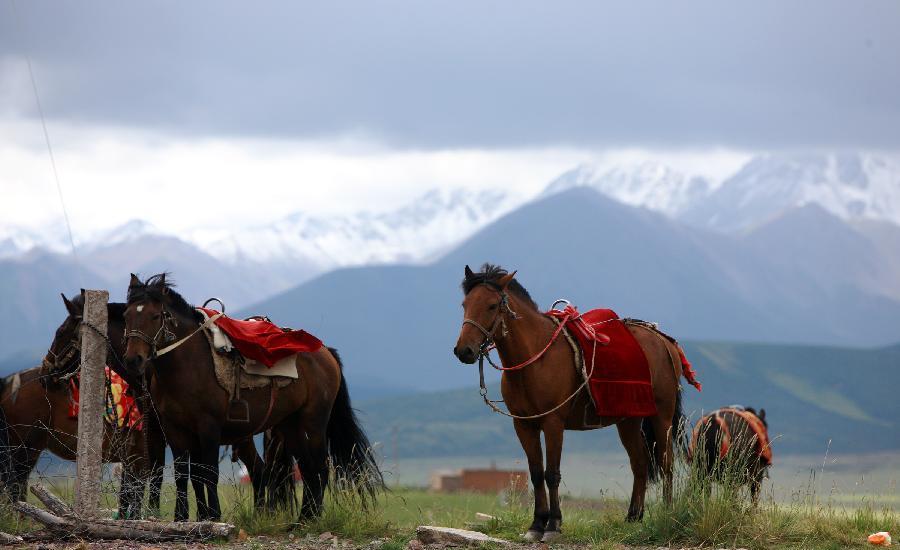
column 545, row 397
column 35, row 406
column 36, row 409
column 731, row 445
column 312, row 416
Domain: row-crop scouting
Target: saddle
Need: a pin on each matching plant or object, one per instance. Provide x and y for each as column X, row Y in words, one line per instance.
column 235, row 372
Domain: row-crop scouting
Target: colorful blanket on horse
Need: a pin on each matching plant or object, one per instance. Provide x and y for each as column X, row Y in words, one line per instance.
column 618, row 371
column 264, row 341
column 731, row 429
column 121, row 409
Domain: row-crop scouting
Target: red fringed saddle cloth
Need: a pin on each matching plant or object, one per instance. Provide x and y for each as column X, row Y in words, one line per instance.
column 619, row 372
column 121, row 409
column 264, row 341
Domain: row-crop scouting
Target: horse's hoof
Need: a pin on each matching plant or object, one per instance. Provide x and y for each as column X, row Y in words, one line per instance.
column 550, row 536
column 533, row 536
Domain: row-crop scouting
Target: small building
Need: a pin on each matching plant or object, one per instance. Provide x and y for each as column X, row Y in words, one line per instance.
column 484, row 480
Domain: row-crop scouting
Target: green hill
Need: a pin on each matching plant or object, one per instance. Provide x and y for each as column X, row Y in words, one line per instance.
column 816, row 397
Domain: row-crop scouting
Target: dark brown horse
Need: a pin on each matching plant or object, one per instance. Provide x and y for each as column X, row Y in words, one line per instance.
column 36, row 407
column 36, row 403
column 545, row 395
column 731, row 445
column 311, row 417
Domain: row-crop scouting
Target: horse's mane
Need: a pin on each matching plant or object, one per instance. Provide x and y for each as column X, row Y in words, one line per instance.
column 158, row 289
column 116, row 309
column 489, row 275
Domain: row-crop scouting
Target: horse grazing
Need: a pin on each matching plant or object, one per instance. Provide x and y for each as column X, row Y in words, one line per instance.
column 731, row 445
column 311, row 417
column 544, row 396
column 35, row 405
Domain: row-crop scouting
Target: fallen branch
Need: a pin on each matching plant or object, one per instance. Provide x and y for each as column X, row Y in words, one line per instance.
column 64, row 523
column 6, row 538
column 51, row 501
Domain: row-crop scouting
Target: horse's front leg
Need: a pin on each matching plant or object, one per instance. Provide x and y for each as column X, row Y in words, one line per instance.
column 554, row 428
column 182, row 472
column 529, row 435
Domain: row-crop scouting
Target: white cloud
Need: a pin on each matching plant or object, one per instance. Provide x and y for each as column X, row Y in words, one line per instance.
column 112, row 175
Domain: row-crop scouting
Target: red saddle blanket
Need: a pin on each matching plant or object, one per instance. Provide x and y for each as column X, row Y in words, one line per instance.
column 263, row 340
column 121, row 410
column 620, row 380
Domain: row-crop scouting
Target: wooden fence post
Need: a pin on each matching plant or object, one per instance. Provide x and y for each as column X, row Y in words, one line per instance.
column 92, row 397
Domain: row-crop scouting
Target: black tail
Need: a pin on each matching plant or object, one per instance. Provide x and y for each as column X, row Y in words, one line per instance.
column 348, row 446
column 5, row 450
column 679, row 438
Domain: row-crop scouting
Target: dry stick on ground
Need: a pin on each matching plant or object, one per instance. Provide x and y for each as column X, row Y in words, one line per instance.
column 6, row 538
column 64, row 523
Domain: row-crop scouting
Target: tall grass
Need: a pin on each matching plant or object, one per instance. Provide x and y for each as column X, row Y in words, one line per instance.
column 715, row 514
column 708, row 513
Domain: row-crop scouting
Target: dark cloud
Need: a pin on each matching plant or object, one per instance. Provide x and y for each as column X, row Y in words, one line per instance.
column 444, row 74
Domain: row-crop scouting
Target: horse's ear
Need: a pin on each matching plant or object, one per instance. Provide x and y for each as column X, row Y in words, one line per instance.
column 134, row 281
column 469, row 273
column 162, row 283
column 506, row 279
column 762, row 414
column 70, row 307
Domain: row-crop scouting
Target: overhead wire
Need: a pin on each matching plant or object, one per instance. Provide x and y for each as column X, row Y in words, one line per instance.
column 40, row 109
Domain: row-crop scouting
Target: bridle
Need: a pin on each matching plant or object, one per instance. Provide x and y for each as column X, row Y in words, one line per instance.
column 488, row 343
column 498, row 322
column 163, row 334
column 65, row 364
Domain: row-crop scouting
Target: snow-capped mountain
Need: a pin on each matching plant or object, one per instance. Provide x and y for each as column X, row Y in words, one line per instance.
column 414, row 232
column 15, row 241
column 649, row 184
column 850, row 186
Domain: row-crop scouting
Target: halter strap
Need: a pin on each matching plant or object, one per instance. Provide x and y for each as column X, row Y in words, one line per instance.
column 153, row 342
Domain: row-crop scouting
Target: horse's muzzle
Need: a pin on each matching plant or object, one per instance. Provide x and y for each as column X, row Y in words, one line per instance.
column 465, row 354
column 135, row 363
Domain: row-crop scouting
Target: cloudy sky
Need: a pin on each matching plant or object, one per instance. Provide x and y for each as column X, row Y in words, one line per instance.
column 287, row 106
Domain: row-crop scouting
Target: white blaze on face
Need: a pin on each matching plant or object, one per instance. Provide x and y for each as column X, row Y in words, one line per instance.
column 140, row 309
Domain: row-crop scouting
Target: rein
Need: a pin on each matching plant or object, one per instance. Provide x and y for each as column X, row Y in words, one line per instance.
column 72, row 350
column 168, row 336
column 561, row 317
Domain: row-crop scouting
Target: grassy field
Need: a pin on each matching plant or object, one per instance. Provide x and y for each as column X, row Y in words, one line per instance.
column 723, row 518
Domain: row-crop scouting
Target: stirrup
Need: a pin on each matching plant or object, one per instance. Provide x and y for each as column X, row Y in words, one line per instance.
column 242, row 408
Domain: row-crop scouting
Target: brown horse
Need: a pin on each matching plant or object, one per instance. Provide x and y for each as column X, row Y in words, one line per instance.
column 311, row 417
column 37, row 409
column 546, row 397
column 731, row 445
column 35, row 405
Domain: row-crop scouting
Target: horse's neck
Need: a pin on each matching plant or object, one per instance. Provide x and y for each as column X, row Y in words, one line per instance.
column 185, row 362
column 526, row 335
